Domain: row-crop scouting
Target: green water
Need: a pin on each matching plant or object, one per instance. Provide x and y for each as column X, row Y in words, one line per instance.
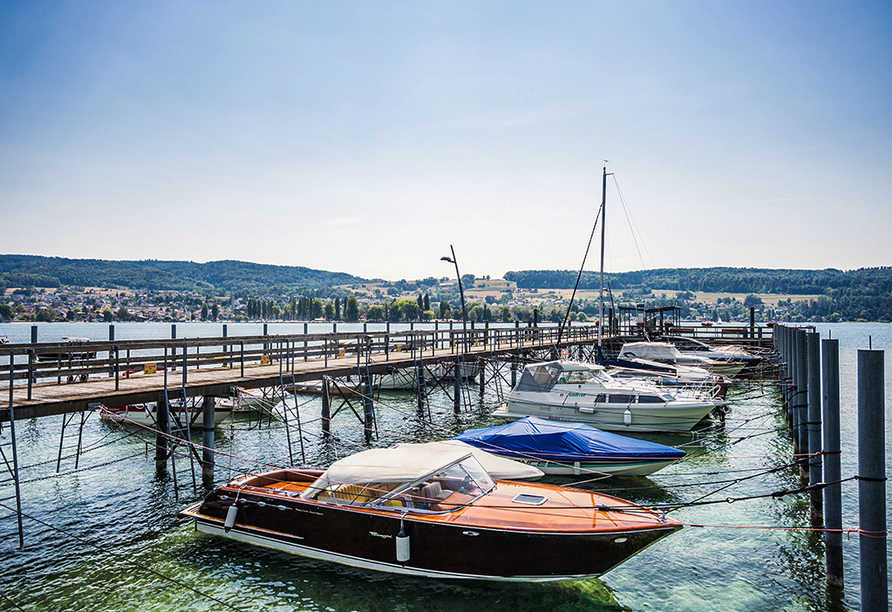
column 109, row 537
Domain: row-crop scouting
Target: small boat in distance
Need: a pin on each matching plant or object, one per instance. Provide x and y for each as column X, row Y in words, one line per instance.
column 585, row 393
column 146, row 414
column 566, row 449
column 431, row 512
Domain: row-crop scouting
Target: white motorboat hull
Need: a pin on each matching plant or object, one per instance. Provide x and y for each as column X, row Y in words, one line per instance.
column 614, row 417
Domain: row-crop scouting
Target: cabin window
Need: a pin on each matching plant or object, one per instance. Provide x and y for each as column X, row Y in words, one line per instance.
column 650, row 399
column 620, row 398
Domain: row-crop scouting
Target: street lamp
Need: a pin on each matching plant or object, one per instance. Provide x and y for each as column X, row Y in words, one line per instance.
column 461, row 292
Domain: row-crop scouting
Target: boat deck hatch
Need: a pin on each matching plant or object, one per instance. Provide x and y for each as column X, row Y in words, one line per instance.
column 531, row 500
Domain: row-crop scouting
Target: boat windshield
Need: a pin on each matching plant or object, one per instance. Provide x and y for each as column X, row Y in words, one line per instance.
column 447, row 489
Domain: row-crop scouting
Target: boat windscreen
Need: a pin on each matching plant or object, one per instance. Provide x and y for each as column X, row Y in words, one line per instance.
column 541, row 377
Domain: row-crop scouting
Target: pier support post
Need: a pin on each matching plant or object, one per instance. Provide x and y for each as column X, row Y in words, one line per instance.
column 482, row 375
column 456, row 386
column 207, row 441
column 368, row 409
column 832, row 464
column 872, row 481
column 815, row 465
column 162, row 421
column 801, row 402
column 326, row 407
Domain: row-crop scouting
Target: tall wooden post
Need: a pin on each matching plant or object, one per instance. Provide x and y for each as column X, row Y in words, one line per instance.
column 815, row 465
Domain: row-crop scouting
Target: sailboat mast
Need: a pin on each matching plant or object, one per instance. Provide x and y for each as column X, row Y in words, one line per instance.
column 603, row 225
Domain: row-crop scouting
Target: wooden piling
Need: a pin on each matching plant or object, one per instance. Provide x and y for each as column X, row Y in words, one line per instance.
column 872, row 482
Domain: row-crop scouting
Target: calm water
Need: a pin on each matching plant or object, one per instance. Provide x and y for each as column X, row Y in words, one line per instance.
column 108, row 537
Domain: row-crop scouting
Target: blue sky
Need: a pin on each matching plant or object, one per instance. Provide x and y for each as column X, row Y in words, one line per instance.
column 366, row 137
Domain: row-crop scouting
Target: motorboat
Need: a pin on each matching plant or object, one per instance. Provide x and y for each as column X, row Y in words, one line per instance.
column 672, row 376
column 146, row 414
column 431, row 512
column 666, row 352
column 566, row 449
column 400, row 379
column 723, row 353
column 64, row 353
column 584, row 392
column 445, row 370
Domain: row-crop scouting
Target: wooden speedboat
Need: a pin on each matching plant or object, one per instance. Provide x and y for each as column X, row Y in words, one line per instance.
column 585, row 393
column 434, row 512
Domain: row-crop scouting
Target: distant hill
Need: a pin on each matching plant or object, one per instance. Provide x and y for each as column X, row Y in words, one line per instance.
column 229, row 276
column 873, row 281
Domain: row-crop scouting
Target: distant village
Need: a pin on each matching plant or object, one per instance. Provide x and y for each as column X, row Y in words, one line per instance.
column 426, row 300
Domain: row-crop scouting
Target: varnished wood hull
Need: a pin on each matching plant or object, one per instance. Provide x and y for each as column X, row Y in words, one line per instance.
column 450, row 545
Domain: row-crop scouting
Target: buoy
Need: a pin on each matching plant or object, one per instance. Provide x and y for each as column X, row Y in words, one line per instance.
column 402, row 546
column 230, row 518
column 627, row 417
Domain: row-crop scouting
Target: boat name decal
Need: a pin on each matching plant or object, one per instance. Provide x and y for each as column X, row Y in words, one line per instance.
column 576, row 394
column 380, row 535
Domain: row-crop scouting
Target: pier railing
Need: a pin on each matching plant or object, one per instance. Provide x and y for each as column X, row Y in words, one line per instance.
column 73, row 362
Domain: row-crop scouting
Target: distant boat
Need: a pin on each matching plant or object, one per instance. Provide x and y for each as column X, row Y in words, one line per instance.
column 67, row 354
column 561, row 448
column 585, row 393
column 666, row 352
column 146, row 414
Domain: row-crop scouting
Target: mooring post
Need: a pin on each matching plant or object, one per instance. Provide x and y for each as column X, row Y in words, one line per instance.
column 797, row 387
column 368, row 409
column 33, row 334
column 802, row 393
column 207, row 441
column 832, row 464
column 513, row 374
column 456, row 386
column 482, row 362
column 326, row 407
column 872, row 481
column 815, row 465
column 161, row 421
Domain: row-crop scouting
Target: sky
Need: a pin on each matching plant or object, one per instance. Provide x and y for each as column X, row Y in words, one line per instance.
column 370, row 137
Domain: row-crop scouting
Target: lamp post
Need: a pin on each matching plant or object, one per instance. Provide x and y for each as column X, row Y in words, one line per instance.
column 461, row 292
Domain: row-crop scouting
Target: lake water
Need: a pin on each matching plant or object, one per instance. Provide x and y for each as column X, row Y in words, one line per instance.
column 108, row 537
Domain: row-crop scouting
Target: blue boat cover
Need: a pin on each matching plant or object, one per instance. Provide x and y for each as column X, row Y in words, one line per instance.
column 563, row 441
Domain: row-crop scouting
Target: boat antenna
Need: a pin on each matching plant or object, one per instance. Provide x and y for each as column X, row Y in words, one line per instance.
column 598, row 217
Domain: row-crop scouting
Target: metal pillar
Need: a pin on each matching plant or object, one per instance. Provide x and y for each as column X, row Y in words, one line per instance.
column 832, row 467
column 872, row 482
column 326, row 407
column 207, row 441
column 162, row 421
column 815, row 465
